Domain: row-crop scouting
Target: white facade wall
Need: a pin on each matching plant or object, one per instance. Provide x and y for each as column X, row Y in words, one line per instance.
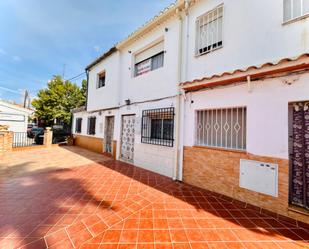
column 107, row 96
column 84, row 115
column 156, row 158
column 158, row 83
column 267, row 111
column 253, row 34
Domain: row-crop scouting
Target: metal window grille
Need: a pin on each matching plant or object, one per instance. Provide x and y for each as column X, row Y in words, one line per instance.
column 223, row 128
column 91, row 125
column 78, row 125
column 294, row 8
column 149, row 64
column 158, row 127
column 209, row 31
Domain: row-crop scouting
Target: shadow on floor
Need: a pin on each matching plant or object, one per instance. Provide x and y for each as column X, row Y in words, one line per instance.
column 202, row 200
column 31, row 205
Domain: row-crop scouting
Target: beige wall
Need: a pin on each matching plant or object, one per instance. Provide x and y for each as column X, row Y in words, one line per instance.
column 218, row 171
column 90, row 143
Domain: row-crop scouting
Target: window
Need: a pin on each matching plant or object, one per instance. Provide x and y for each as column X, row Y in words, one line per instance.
column 223, row 128
column 294, row 9
column 149, row 60
column 78, row 125
column 158, row 126
column 209, row 31
column 91, row 125
column 101, row 80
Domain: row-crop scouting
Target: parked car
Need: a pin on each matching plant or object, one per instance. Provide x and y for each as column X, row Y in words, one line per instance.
column 33, row 131
column 39, row 137
column 60, row 135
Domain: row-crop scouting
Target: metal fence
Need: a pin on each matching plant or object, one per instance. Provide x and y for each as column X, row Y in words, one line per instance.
column 21, row 139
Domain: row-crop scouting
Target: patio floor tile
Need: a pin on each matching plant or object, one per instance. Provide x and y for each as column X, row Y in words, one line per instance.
column 109, row 204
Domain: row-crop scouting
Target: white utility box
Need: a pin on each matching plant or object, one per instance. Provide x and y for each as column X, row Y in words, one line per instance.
column 260, row 177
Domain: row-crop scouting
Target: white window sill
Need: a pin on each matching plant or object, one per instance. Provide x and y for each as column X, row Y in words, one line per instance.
column 295, row 19
column 208, row 52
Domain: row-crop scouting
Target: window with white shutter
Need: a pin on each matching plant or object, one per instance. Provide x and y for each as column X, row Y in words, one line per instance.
column 149, row 59
column 293, row 9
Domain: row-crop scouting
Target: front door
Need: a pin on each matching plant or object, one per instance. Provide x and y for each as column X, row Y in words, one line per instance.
column 299, row 156
column 127, row 138
column 109, row 132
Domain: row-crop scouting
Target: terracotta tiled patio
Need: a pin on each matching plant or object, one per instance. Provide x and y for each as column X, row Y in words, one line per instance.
column 109, row 204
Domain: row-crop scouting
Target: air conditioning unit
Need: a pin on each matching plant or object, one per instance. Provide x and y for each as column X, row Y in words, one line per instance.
column 261, row 177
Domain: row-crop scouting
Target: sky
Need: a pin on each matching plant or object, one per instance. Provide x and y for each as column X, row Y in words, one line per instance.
column 39, row 39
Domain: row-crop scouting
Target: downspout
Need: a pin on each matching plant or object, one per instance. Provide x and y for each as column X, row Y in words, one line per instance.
column 178, row 113
column 180, row 97
column 87, row 73
column 183, row 96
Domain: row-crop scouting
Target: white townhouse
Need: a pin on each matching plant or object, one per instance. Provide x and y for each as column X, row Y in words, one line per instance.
column 14, row 116
column 214, row 93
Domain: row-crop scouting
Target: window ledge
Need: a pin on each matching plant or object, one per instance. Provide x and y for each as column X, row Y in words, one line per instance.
column 299, row 210
column 296, row 19
column 220, row 149
column 208, row 52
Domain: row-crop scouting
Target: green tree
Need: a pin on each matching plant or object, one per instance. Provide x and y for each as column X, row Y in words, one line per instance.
column 57, row 101
column 84, row 91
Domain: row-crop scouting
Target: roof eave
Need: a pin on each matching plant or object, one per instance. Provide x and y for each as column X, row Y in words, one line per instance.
column 165, row 14
column 101, row 58
column 268, row 69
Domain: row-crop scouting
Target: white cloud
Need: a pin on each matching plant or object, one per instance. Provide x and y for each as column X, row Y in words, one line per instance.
column 97, row 48
column 16, row 58
column 2, row 51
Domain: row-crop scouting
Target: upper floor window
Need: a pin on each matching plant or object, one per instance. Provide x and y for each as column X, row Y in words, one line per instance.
column 294, row 9
column 91, row 125
column 101, row 79
column 149, row 60
column 209, row 31
column 78, row 125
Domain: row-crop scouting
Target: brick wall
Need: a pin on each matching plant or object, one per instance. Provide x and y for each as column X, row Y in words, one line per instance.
column 218, row 171
column 6, row 141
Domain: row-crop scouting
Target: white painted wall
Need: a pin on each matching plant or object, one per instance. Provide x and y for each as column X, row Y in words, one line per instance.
column 267, row 111
column 84, row 115
column 15, row 117
column 253, row 34
column 156, row 158
column 107, row 96
column 158, row 83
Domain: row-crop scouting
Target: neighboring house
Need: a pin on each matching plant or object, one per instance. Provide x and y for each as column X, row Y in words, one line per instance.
column 212, row 93
column 14, row 116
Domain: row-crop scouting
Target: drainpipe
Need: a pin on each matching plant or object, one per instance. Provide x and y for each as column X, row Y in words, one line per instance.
column 183, row 96
column 178, row 167
column 177, row 158
column 87, row 73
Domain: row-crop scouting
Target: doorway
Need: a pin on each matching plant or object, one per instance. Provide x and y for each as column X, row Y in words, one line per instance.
column 108, row 134
column 299, row 153
column 127, row 138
